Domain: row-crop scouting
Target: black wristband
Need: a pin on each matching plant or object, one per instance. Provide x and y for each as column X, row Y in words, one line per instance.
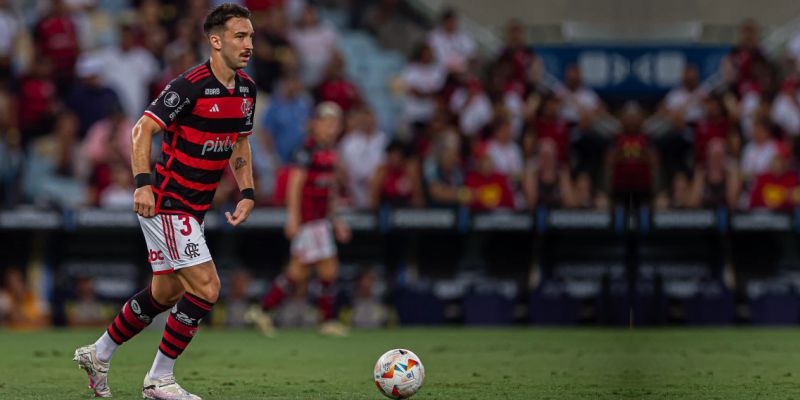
column 143, row 179
column 249, row 193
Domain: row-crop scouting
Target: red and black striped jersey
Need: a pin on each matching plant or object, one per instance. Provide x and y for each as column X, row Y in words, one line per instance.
column 319, row 163
column 202, row 119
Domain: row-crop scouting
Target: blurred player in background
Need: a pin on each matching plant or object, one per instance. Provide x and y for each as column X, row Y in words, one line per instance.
column 312, row 223
column 206, row 114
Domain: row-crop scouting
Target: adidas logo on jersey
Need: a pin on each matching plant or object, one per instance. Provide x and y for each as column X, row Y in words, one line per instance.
column 215, row 108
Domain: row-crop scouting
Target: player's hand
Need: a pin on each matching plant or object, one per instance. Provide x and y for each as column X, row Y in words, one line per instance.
column 242, row 211
column 291, row 227
column 341, row 231
column 144, row 203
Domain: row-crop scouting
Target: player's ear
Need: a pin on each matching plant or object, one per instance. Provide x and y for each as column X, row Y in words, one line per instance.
column 216, row 41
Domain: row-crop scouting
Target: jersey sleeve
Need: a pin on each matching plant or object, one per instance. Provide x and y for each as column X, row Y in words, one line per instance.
column 248, row 123
column 174, row 102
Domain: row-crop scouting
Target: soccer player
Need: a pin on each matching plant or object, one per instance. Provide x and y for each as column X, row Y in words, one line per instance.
column 206, row 114
column 312, row 223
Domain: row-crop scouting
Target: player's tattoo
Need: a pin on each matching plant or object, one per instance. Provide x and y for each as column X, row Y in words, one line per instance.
column 240, row 162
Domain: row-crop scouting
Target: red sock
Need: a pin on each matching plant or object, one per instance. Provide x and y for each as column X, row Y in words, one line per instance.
column 277, row 292
column 182, row 324
column 136, row 314
column 326, row 299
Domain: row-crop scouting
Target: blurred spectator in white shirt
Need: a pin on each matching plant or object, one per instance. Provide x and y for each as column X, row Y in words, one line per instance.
column 473, row 107
column 10, row 29
column 315, row 42
column 786, row 108
column 506, row 155
column 95, row 27
column 453, row 48
column 580, row 103
column 758, row 153
column 684, row 103
column 362, row 152
column 129, row 70
column 423, row 79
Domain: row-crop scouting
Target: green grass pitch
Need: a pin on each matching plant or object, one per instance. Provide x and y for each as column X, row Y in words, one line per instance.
column 460, row 363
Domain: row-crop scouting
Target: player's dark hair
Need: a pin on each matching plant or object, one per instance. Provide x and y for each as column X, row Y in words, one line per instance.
column 221, row 14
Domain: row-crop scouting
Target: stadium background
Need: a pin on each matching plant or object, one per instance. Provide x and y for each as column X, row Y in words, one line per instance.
column 572, row 165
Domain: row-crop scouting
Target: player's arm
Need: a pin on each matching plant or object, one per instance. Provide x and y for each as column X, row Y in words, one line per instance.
column 241, row 165
column 174, row 102
column 141, row 141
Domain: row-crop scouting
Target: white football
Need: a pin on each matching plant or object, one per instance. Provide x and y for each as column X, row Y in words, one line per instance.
column 399, row 374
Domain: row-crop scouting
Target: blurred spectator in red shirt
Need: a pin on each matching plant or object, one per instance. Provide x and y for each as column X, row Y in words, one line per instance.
column 549, row 124
column 714, row 124
column 56, row 38
column 335, row 87
column 517, row 55
column 397, row 181
column 490, row 189
column 36, row 101
column 454, row 49
column 717, row 182
column 745, row 59
column 631, row 160
column 547, row 184
column 778, row 188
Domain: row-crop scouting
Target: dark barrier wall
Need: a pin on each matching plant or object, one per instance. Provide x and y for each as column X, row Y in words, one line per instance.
column 445, row 265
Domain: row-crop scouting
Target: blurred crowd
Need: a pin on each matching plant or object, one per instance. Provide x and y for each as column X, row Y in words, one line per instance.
column 481, row 130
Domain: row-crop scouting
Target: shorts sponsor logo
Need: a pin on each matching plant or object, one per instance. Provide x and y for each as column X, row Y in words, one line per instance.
column 155, row 256
column 217, row 145
column 192, row 250
column 172, row 99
